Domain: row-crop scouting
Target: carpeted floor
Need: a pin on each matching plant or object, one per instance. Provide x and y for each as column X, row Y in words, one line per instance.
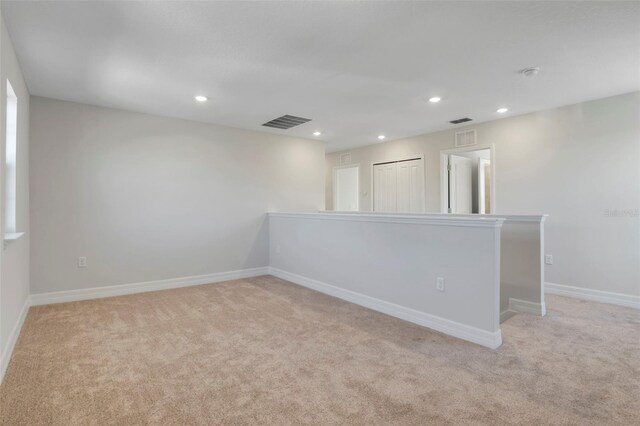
column 264, row 351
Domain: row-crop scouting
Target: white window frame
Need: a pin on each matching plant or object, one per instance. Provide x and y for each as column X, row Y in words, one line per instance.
column 11, row 166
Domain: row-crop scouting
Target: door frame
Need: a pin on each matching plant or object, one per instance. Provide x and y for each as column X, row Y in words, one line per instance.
column 335, row 184
column 444, row 189
column 395, row 160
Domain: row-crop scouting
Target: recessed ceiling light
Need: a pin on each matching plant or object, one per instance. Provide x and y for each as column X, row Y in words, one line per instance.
column 316, row 133
column 435, row 99
column 502, row 110
column 381, row 137
column 201, row 98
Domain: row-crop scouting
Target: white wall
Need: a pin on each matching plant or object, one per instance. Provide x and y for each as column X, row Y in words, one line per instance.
column 390, row 263
column 574, row 163
column 474, row 155
column 147, row 198
column 14, row 260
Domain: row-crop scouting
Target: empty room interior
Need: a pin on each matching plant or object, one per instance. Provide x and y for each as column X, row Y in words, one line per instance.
column 320, row 212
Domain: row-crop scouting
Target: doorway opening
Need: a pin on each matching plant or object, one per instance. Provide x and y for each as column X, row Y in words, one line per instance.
column 346, row 189
column 467, row 181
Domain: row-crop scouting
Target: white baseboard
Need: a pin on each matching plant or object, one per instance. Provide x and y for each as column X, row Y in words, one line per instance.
column 13, row 338
column 526, row 307
column 519, row 306
column 121, row 290
column 619, row 299
column 505, row 315
column 485, row 338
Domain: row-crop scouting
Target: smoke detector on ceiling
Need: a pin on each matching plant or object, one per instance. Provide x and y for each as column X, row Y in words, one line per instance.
column 530, row 72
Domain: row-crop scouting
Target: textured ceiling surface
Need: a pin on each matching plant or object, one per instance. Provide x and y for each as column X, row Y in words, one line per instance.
column 356, row 69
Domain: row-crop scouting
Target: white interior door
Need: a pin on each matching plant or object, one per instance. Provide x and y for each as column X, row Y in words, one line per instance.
column 483, row 186
column 460, row 184
column 410, row 186
column 384, row 187
column 346, row 189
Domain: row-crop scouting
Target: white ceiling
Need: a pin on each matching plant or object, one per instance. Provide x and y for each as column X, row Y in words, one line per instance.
column 356, row 69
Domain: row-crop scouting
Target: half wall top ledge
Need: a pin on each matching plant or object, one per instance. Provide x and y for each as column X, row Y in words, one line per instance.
column 539, row 218
column 427, row 219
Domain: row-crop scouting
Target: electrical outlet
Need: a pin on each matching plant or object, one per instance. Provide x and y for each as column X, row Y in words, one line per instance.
column 548, row 259
column 82, row 262
column 440, row 284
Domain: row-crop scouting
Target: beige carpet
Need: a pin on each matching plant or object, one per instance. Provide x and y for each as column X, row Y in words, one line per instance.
column 264, row 351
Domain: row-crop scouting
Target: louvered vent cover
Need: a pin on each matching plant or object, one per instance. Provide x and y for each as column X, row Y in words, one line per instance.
column 286, row 122
column 466, row 138
column 345, row 158
column 460, row 120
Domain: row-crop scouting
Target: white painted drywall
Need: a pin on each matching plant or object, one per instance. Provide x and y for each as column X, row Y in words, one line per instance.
column 580, row 164
column 14, row 259
column 521, row 256
column 522, row 263
column 474, row 155
column 147, row 198
column 396, row 260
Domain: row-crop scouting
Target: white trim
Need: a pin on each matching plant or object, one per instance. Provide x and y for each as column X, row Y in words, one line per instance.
column 417, row 219
column 123, row 289
column 335, row 183
column 11, row 237
column 13, row 338
column 518, row 306
column 620, row 299
column 505, row 315
column 472, row 334
column 443, row 166
column 527, row 307
column 540, row 218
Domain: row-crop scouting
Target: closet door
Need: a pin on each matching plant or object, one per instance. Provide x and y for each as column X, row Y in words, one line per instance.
column 384, row 187
column 410, row 186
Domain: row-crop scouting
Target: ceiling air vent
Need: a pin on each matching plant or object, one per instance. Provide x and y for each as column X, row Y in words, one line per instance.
column 460, row 120
column 286, row 122
column 466, row 138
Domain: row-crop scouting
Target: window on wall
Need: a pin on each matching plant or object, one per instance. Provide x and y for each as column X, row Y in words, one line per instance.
column 10, row 160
